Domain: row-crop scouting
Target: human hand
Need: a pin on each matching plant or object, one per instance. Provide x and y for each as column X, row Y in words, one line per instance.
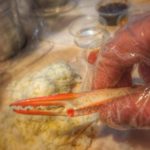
column 113, row 66
column 130, row 45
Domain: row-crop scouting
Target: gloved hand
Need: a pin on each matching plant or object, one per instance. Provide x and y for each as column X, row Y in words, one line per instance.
column 113, row 66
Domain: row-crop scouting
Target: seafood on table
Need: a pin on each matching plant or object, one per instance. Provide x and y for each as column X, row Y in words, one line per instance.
column 39, row 132
column 119, row 108
column 73, row 120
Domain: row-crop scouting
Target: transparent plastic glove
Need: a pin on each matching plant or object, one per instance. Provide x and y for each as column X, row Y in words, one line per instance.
column 113, row 66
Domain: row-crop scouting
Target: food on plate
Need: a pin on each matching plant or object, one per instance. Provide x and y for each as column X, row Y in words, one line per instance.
column 44, row 132
column 56, row 78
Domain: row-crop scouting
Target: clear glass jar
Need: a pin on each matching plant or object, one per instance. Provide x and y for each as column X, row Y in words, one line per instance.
column 88, row 32
column 12, row 37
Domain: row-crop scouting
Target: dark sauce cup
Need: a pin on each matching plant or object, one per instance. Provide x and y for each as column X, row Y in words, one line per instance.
column 114, row 12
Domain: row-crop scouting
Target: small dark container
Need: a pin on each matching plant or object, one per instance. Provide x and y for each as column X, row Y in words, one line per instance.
column 113, row 13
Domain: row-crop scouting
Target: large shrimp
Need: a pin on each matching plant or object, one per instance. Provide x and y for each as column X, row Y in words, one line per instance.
column 121, row 108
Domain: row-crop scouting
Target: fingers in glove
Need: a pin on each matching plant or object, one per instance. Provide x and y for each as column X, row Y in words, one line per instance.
column 131, row 111
column 129, row 46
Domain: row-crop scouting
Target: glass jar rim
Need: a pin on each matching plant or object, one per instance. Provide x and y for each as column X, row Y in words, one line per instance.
column 88, row 18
